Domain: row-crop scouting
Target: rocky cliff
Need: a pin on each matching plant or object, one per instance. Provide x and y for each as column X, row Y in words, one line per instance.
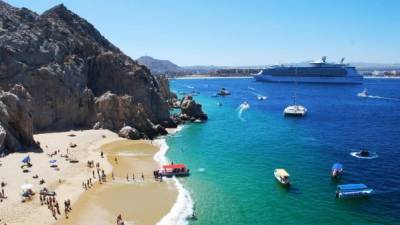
column 75, row 76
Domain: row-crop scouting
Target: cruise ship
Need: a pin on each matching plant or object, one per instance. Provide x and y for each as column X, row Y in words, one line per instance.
column 319, row 71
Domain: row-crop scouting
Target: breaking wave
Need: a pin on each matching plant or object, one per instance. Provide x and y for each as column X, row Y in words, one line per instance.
column 183, row 207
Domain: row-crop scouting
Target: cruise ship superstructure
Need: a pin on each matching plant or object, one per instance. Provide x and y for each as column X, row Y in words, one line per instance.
column 319, row 71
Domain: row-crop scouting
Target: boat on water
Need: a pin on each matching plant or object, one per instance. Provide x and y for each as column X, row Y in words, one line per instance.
column 363, row 94
column 319, row 71
column 337, row 170
column 363, row 153
column 223, row 92
column 353, row 191
column 262, row 98
column 282, row 176
column 178, row 170
column 295, row 110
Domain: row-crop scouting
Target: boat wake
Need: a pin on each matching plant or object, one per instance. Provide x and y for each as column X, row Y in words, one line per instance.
column 257, row 93
column 183, row 207
column 380, row 97
column 242, row 108
column 373, row 155
column 201, row 170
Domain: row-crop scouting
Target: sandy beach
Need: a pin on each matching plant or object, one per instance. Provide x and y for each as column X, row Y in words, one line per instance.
column 140, row 201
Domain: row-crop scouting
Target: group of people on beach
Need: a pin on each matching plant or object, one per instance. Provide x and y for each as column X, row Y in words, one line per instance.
column 2, row 194
column 54, row 207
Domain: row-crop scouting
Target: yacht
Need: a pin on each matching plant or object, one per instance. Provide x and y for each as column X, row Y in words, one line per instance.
column 223, row 92
column 319, row 71
column 282, row 176
column 295, row 110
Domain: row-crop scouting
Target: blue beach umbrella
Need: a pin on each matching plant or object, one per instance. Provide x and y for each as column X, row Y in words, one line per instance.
column 52, row 161
column 27, row 159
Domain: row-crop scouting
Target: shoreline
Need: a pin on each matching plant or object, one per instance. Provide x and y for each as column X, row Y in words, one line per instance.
column 67, row 182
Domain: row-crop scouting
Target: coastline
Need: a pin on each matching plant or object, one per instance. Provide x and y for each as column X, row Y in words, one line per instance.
column 183, row 206
column 152, row 202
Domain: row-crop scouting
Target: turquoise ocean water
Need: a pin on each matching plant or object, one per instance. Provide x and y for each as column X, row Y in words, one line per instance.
column 233, row 155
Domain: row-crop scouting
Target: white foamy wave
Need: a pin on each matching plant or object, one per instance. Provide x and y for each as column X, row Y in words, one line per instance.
column 242, row 107
column 373, row 155
column 183, row 207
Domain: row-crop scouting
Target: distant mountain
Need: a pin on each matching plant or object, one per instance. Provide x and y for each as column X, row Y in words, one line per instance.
column 158, row 66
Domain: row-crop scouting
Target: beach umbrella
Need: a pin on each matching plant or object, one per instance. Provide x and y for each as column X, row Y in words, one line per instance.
column 26, row 186
column 53, row 161
column 27, row 159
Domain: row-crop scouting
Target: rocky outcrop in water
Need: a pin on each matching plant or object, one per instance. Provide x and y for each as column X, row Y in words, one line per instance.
column 16, row 124
column 75, row 76
column 190, row 110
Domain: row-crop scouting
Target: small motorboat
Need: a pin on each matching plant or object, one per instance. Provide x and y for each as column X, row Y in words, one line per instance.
column 363, row 94
column 197, row 121
column 223, row 92
column 337, row 170
column 363, row 153
column 262, row 98
column 295, row 110
column 353, row 191
column 282, row 176
column 178, row 170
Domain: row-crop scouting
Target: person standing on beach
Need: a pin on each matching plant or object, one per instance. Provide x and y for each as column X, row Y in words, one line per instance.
column 133, row 176
column 112, row 175
column 116, row 160
column 142, row 176
column 127, row 177
column 94, row 177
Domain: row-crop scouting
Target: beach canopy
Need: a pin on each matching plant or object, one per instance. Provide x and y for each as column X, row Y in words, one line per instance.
column 282, row 172
column 337, row 166
column 52, row 161
column 27, row 159
column 345, row 187
column 26, row 186
column 174, row 166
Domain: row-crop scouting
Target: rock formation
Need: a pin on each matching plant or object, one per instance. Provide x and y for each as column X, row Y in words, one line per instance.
column 16, row 124
column 190, row 110
column 76, row 77
column 129, row 133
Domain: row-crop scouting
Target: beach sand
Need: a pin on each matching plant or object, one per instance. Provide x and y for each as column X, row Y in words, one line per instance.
column 144, row 202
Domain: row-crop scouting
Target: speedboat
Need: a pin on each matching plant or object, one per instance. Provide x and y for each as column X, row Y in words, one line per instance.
column 245, row 105
column 261, row 98
column 353, row 191
column 223, row 92
column 363, row 153
column 295, row 110
column 337, row 170
column 363, row 94
column 282, row 176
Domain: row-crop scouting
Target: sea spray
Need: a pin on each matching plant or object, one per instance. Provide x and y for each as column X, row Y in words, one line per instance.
column 242, row 107
column 183, row 207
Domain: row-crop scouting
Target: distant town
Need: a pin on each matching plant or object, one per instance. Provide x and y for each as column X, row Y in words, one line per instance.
column 169, row 69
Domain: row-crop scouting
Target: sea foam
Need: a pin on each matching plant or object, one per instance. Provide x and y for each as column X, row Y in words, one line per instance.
column 183, row 207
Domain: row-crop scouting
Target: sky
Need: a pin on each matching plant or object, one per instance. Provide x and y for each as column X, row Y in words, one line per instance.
column 240, row 32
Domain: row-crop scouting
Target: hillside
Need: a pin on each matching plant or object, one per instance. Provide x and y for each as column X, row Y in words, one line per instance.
column 158, row 66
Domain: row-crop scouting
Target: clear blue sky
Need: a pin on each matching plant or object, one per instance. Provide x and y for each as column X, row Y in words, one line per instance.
column 229, row 32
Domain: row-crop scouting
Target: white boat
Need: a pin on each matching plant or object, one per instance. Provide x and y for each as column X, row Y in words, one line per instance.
column 363, row 94
column 319, row 71
column 295, row 110
column 261, row 98
column 282, row 176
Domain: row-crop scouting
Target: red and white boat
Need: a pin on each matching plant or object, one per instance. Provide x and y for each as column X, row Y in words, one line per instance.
column 178, row 170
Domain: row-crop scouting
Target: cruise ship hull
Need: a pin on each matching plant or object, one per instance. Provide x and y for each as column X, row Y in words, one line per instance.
column 305, row 79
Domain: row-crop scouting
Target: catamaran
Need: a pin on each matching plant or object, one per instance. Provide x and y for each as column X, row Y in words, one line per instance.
column 178, row 170
column 353, row 191
column 282, row 176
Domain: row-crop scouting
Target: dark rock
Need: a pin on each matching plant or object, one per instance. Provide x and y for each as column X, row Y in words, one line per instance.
column 16, row 124
column 68, row 68
column 129, row 133
column 190, row 110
